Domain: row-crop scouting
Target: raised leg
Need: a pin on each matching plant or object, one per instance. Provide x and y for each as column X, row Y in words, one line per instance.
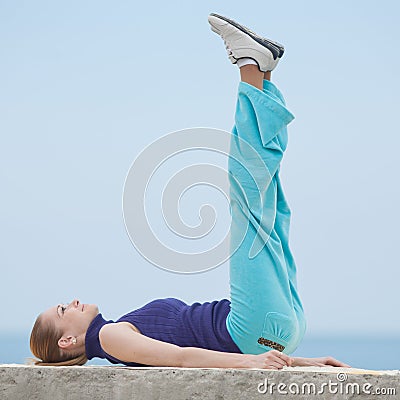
column 266, row 311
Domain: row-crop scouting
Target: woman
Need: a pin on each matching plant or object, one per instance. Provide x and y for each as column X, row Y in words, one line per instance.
column 264, row 321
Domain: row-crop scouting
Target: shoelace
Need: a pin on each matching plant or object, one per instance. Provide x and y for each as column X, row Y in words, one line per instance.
column 228, row 50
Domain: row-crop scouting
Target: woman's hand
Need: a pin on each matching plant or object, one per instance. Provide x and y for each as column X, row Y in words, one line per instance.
column 272, row 359
column 319, row 362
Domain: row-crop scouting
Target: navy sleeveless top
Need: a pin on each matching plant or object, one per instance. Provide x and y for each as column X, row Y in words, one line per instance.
column 173, row 321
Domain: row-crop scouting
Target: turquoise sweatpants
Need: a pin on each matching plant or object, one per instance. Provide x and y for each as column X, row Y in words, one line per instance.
column 266, row 310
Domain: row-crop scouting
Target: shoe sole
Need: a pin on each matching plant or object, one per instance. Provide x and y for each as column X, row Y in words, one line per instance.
column 275, row 48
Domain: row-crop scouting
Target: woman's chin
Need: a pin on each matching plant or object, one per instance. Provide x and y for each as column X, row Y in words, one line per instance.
column 91, row 308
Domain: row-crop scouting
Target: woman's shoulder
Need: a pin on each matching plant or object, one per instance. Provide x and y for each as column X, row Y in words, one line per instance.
column 114, row 329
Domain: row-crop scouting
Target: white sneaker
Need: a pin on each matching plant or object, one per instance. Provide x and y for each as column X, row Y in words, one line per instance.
column 241, row 42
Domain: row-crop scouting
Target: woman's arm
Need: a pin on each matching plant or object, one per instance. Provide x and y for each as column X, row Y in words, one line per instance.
column 194, row 357
column 121, row 341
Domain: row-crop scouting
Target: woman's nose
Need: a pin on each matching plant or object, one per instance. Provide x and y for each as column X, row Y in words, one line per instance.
column 75, row 303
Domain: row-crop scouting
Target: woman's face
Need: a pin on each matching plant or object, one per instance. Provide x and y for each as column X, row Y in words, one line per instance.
column 73, row 318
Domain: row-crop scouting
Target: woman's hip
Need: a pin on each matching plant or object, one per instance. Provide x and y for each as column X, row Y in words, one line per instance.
column 262, row 330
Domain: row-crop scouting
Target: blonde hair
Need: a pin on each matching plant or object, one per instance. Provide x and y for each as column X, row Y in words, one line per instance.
column 44, row 346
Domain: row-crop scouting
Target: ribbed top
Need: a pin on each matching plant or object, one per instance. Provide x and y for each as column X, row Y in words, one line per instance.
column 173, row 321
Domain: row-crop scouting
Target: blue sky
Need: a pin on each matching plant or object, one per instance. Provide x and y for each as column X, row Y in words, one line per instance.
column 86, row 86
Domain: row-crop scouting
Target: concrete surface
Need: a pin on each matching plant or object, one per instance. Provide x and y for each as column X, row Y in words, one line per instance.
column 110, row 382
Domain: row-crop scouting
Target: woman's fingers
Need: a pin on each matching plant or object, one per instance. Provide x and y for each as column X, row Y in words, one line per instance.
column 287, row 360
column 274, row 359
column 277, row 359
column 336, row 363
column 274, row 364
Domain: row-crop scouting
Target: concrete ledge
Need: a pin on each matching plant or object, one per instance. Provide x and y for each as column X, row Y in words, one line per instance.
column 110, row 382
